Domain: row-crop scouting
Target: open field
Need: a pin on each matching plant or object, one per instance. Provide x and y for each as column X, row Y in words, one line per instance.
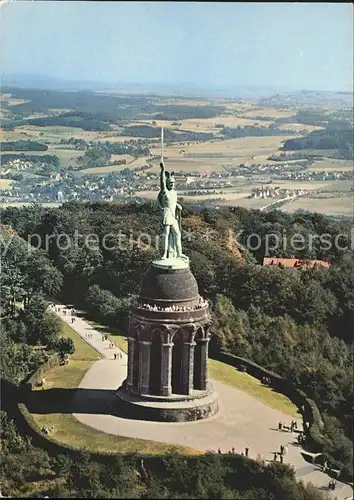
column 323, row 186
column 213, row 155
column 177, row 101
column 6, row 183
column 271, row 112
column 66, row 156
column 49, row 134
column 207, row 125
column 107, row 136
column 103, row 170
column 228, row 197
column 107, row 169
column 329, row 206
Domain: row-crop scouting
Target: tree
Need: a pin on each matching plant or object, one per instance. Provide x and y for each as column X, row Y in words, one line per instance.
column 65, row 346
column 42, row 327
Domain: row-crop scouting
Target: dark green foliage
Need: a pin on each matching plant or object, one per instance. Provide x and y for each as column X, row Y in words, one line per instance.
column 85, row 121
column 64, row 346
column 20, row 461
column 42, row 327
column 253, row 131
column 337, row 136
column 297, row 324
column 149, row 132
column 22, row 146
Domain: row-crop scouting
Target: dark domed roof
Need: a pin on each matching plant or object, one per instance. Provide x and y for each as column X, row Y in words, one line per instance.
column 170, row 285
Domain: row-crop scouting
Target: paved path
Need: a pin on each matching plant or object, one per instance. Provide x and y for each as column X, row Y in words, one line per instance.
column 242, row 420
column 89, row 334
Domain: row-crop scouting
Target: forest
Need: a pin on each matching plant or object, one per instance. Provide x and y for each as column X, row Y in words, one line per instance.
column 337, row 136
column 98, row 108
column 253, row 131
column 22, row 146
column 297, row 324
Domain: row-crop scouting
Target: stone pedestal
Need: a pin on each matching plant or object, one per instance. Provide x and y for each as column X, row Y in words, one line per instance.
column 168, row 349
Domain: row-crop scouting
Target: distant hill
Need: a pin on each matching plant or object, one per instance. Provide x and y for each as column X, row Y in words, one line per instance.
column 310, row 98
column 32, row 81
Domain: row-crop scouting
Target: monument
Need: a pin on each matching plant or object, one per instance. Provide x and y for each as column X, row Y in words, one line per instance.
column 169, row 332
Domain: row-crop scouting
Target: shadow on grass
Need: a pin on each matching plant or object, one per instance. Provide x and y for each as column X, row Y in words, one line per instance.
column 91, row 401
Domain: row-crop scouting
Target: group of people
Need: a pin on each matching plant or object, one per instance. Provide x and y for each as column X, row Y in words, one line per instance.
column 332, row 485
column 68, row 311
column 301, row 438
column 289, row 428
column 266, row 381
column 46, row 430
column 88, row 335
column 232, row 451
column 118, row 355
column 175, row 308
column 282, row 453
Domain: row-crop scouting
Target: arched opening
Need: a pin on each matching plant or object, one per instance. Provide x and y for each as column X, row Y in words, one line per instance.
column 197, row 366
column 155, row 364
column 177, row 362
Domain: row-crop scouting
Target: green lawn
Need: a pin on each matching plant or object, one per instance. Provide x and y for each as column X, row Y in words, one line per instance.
column 244, row 382
column 114, row 335
column 83, row 351
column 70, row 431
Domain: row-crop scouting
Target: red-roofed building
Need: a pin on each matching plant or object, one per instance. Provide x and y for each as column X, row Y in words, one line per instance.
column 295, row 263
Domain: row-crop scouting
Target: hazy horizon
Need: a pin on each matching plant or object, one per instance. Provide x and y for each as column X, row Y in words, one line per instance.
column 202, row 45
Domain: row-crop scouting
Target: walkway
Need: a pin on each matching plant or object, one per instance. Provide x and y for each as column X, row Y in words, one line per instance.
column 92, row 336
column 241, row 421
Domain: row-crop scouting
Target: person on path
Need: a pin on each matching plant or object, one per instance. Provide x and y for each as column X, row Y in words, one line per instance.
column 246, row 452
column 275, row 456
column 281, row 456
column 279, row 426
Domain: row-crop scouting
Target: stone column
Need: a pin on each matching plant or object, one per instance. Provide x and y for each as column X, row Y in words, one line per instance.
column 204, row 344
column 144, row 366
column 131, row 351
column 188, row 367
column 166, row 369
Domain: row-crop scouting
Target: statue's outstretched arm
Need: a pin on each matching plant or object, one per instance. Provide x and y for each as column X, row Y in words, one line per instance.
column 162, row 177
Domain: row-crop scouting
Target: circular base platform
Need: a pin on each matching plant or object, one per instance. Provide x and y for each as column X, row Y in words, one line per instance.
column 186, row 410
column 171, row 263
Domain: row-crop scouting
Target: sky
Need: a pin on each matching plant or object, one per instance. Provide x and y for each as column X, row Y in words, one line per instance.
column 296, row 45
